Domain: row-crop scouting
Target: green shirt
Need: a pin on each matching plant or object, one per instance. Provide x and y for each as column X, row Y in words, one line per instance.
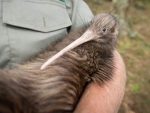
column 29, row 26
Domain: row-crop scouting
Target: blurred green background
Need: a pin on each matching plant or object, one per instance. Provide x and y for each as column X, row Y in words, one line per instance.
column 134, row 46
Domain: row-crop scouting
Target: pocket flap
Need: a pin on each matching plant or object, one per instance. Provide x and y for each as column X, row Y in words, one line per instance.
column 40, row 16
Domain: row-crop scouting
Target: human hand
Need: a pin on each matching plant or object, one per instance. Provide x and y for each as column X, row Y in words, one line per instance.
column 106, row 98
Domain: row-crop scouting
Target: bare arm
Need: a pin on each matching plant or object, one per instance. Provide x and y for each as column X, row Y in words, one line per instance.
column 106, row 99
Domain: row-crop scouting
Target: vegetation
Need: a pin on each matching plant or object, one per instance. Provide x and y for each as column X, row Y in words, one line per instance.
column 135, row 52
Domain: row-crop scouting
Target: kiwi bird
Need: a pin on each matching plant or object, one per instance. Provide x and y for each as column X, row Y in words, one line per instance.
column 58, row 87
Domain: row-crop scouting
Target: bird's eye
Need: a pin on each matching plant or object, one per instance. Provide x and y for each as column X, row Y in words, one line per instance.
column 104, row 29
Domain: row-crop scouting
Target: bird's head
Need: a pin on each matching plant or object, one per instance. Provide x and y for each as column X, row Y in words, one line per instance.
column 103, row 27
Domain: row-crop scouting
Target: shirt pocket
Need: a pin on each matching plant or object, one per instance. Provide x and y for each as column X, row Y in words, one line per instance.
column 39, row 15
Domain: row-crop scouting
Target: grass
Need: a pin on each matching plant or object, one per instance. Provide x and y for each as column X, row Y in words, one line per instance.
column 134, row 88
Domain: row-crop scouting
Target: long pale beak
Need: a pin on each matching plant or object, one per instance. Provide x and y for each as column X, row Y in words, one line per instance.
column 87, row 36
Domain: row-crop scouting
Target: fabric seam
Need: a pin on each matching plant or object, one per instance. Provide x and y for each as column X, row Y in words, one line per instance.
column 9, row 48
column 80, row 16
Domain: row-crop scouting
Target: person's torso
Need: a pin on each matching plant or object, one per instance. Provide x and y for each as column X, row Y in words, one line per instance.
column 29, row 26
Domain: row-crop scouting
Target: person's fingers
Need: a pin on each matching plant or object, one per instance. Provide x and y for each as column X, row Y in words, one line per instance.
column 106, row 98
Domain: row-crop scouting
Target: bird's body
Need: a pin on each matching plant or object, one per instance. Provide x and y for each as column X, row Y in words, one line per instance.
column 57, row 89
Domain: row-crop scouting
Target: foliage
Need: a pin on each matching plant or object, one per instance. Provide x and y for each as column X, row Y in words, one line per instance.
column 98, row 1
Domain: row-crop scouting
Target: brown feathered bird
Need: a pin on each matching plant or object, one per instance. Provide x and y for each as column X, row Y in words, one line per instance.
column 57, row 89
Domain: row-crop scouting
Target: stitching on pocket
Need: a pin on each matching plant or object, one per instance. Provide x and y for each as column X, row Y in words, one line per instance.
column 55, row 2
column 8, row 20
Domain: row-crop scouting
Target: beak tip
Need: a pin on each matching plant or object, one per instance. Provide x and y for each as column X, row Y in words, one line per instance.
column 42, row 67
